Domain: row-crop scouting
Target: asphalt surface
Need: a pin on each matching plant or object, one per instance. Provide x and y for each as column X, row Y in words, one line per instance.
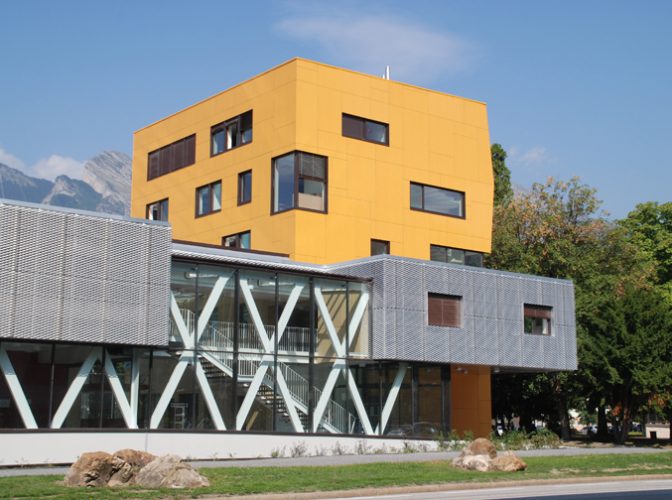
column 351, row 459
column 640, row 489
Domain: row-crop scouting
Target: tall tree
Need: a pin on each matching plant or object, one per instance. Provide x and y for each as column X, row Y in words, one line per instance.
column 502, row 174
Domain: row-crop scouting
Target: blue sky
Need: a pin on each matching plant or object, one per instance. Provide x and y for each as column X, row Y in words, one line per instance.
column 574, row 88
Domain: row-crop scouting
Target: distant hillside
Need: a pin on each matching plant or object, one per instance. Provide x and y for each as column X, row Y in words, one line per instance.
column 106, row 186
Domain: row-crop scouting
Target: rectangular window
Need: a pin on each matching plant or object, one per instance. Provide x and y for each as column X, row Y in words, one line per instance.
column 437, row 200
column 537, row 319
column 244, row 187
column 238, row 240
column 299, row 181
column 380, row 247
column 209, row 199
column 444, row 310
column 157, row 210
column 365, row 129
column 172, row 157
column 440, row 253
column 231, row 133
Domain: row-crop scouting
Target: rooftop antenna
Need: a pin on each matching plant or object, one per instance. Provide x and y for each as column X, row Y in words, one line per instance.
column 386, row 75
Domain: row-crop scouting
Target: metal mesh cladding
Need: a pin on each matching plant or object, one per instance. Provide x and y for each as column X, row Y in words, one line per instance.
column 491, row 330
column 82, row 277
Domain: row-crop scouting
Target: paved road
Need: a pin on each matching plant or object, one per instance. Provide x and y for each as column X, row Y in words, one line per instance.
column 640, row 489
column 353, row 459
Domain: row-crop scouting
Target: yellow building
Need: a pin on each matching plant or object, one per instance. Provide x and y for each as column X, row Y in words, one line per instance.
column 326, row 165
column 322, row 164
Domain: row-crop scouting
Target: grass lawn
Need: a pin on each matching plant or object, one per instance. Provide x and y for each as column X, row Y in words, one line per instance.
column 241, row 481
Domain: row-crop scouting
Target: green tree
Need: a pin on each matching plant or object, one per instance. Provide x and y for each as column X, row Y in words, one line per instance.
column 502, row 175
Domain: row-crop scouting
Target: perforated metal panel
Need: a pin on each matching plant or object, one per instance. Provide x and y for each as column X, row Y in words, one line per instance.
column 82, row 277
column 492, row 314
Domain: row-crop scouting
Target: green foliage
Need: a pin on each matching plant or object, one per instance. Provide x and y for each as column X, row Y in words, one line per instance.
column 502, row 175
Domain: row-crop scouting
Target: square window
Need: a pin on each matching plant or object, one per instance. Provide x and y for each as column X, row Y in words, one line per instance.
column 231, row 133
column 299, row 181
column 380, row 247
column 157, row 210
column 537, row 319
column 444, row 310
column 209, row 199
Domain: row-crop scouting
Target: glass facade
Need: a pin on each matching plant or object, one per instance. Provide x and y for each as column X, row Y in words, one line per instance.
column 249, row 350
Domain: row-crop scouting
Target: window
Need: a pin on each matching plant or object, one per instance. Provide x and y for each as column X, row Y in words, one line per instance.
column 157, row 210
column 366, row 130
column 537, row 319
column 238, row 240
column 437, row 200
column 172, row 157
column 439, row 253
column 244, row 187
column 231, row 133
column 444, row 310
column 209, row 199
column 380, row 247
column 299, row 181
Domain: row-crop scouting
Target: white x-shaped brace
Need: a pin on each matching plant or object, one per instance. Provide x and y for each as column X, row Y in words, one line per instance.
column 340, row 364
column 267, row 360
column 190, row 340
column 128, row 409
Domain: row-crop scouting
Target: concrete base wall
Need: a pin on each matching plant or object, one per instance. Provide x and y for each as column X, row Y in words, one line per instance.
column 37, row 448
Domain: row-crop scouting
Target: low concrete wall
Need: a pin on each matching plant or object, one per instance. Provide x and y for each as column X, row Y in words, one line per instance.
column 38, row 448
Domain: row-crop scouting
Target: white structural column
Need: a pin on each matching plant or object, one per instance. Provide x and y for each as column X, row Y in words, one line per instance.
column 16, row 390
column 266, row 361
column 135, row 383
column 190, row 340
column 391, row 398
column 130, row 417
column 340, row 365
column 118, row 390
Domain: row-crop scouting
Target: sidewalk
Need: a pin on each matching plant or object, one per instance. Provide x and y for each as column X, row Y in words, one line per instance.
column 355, row 459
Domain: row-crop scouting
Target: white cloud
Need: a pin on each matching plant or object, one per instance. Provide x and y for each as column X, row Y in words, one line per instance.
column 415, row 52
column 10, row 160
column 55, row 165
column 46, row 168
column 535, row 157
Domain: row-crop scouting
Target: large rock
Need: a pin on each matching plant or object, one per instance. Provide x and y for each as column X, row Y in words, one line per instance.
column 91, row 469
column 481, row 455
column 127, row 463
column 481, row 446
column 508, row 463
column 168, row 471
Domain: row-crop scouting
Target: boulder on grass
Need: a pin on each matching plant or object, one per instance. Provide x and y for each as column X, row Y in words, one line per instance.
column 481, row 455
column 481, row 446
column 91, row 469
column 127, row 463
column 508, row 463
column 168, row 471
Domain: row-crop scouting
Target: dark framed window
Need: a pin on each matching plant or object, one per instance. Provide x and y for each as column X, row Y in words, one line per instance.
column 537, row 319
column 174, row 156
column 450, row 255
column 364, row 129
column 380, row 247
column 231, row 133
column 299, row 181
column 238, row 240
column 437, row 200
column 244, row 187
column 209, row 199
column 444, row 310
column 157, row 210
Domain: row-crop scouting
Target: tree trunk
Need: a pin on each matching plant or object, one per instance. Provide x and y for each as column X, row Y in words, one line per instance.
column 563, row 418
column 602, row 430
